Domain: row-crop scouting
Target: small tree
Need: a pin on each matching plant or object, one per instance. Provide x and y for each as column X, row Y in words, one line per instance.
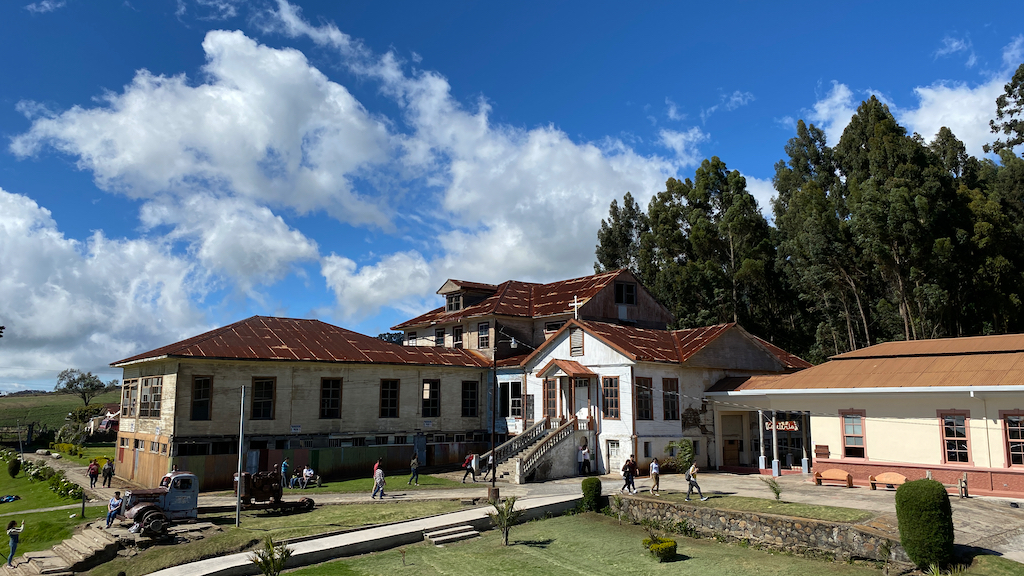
column 684, row 454
column 270, row 559
column 773, row 485
column 591, row 494
column 925, row 519
column 85, row 385
column 505, row 516
column 14, row 466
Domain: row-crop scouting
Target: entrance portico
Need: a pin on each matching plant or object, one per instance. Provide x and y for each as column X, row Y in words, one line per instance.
column 569, row 390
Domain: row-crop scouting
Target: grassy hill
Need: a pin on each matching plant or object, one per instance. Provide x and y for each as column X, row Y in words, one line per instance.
column 47, row 409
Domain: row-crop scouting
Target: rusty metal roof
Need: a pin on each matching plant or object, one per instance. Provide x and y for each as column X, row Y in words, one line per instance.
column 568, row 367
column 731, row 383
column 980, row 361
column 523, row 299
column 673, row 346
column 475, row 286
column 270, row 338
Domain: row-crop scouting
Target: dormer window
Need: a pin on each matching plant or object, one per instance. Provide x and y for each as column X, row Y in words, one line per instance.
column 625, row 293
column 453, row 303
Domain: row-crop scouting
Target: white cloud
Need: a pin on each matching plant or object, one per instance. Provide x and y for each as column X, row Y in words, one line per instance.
column 44, row 6
column 84, row 304
column 684, row 144
column 265, row 125
column 952, row 45
column 833, row 112
column 763, row 191
column 729, row 102
column 673, row 112
column 211, row 9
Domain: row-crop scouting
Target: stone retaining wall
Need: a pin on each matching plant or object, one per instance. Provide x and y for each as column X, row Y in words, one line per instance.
column 798, row 535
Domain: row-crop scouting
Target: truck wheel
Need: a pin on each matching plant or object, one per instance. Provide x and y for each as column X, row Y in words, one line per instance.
column 154, row 522
column 307, row 504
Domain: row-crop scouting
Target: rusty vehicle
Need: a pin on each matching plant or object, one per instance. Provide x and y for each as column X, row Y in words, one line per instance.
column 264, row 491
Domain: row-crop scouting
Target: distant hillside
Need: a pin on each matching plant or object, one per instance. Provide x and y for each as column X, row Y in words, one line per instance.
column 49, row 409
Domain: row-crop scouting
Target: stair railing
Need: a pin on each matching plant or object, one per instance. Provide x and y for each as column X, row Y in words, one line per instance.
column 519, row 442
column 532, row 459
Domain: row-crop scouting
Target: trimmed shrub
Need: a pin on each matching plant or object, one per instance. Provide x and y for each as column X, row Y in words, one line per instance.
column 926, row 522
column 591, row 494
column 664, row 550
column 13, row 467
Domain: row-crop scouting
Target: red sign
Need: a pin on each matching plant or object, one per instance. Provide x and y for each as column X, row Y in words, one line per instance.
column 783, row 425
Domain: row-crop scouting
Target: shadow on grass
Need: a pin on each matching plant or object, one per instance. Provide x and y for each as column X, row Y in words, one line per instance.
column 535, row 543
column 677, row 558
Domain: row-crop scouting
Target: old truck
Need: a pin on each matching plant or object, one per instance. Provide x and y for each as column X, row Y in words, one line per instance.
column 152, row 510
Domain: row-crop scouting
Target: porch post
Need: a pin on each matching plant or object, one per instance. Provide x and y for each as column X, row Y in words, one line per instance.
column 761, row 460
column 804, row 463
column 776, row 467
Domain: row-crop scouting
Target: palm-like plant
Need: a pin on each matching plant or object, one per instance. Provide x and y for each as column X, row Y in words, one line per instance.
column 505, row 516
column 270, row 559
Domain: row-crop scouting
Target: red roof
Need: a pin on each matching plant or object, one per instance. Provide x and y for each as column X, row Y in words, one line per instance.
column 674, row 346
column 523, row 299
column 569, row 367
column 270, row 338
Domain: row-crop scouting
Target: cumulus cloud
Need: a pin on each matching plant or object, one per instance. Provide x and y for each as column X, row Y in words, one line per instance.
column 44, row 6
column 684, row 144
column 833, row 112
column 763, row 191
column 84, row 304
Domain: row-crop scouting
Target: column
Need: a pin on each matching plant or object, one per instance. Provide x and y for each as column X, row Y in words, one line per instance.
column 805, row 464
column 776, row 466
column 761, row 460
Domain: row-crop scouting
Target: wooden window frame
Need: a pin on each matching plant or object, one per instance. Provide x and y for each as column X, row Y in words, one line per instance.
column 863, row 432
column 966, row 414
column 471, row 409
column 577, row 351
column 273, row 397
column 1007, row 441
column 453, row 303
column 439, row 337
column 410, row 338
column 323, row 410
column 515, row 409
column 553, row 326
column 130, row 397
column 384, row 409
column 483, row 335
column 429, row 400
column 549, row 397
column 670, row 398
column 625, row 291
column 151, row 407
column 208, row 399
column 644, row 390
column 457, row 336
column 608, row 411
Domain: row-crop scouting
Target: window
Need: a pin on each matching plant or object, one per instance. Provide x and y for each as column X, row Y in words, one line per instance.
column 613, row 450
column 610, row 397
column 163, row 448
column 330, row 398
column 553, row 326
column 1013, row 423
column 483, row 335
column 439, row 337
column 401, row 440
column 154, row 446
column 453, row 303
column 551, row 398
column 457, row 337
column 410, row 339
column 389, row 398
column 469, row 398
column 955, row 437
column 431, row 398
column 644, row 403
column 201, row 389
column 696, row 447
column 193, row 449
column 380, row 440
column 516, row 395
column 670, row 398
column 575, row 341
column 460, row 437
column 625, row 293
column 149, row 397
column 124, row 442
column 130, row 392
column 263, row 398
column 647, row 449
column 853, row 433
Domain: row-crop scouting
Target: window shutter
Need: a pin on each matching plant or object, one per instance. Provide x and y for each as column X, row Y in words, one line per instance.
column 576, row 342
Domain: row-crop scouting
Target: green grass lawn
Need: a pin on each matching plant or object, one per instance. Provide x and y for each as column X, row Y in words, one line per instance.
column 33, row 494
column 586, row 544
column 47, row 409
column 44, row 530
column 767, row 506
column 257, row 525
column 101, row 451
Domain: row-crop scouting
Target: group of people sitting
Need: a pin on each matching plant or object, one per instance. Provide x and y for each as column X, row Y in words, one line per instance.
column 302, row 477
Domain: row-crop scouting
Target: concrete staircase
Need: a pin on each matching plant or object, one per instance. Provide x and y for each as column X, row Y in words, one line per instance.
column 88, row 548
column 507, row 468
column 450, row 534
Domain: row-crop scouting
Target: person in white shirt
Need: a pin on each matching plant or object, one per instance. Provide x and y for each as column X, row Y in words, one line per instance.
column 655, row 477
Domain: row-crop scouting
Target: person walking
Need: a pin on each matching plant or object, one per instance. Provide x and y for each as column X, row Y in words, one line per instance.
column 629, row 471
column 94, row 473
column 468, row 465
column 414, row 467
column 490, row 467
column 691, row 478
column 108, row 473
column 378, row 483
column 586, row 459
column 655, row 477
column 579, row 461
column 113, row 507
column 14, row 532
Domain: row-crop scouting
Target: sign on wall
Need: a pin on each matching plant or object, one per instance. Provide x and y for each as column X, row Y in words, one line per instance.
column 296, row 428
column 783, row 425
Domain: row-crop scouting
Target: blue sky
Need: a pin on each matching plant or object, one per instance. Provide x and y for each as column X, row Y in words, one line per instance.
column 171, row 166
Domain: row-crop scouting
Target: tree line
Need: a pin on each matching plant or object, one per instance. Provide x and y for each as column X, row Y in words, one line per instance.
column 883, row 236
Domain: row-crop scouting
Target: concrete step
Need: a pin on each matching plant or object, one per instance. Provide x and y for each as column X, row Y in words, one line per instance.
column 45, row 562
column 69, row 554
column 451, row 534
column 446, row 531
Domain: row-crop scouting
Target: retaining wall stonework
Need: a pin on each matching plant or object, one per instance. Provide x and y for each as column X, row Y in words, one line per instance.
column 798, row 535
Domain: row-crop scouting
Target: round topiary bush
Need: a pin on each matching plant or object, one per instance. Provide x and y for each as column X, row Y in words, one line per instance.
column 664, row 550
column 13, row 467
column 926, row 522
column 591, row 494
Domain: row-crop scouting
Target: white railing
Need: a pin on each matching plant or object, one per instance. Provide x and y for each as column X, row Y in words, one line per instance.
column 533, row 457
column 519, row 442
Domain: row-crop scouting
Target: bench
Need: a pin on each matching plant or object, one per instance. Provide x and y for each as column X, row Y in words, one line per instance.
column 961, row 484
column 887, row 479
column 834, row 475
